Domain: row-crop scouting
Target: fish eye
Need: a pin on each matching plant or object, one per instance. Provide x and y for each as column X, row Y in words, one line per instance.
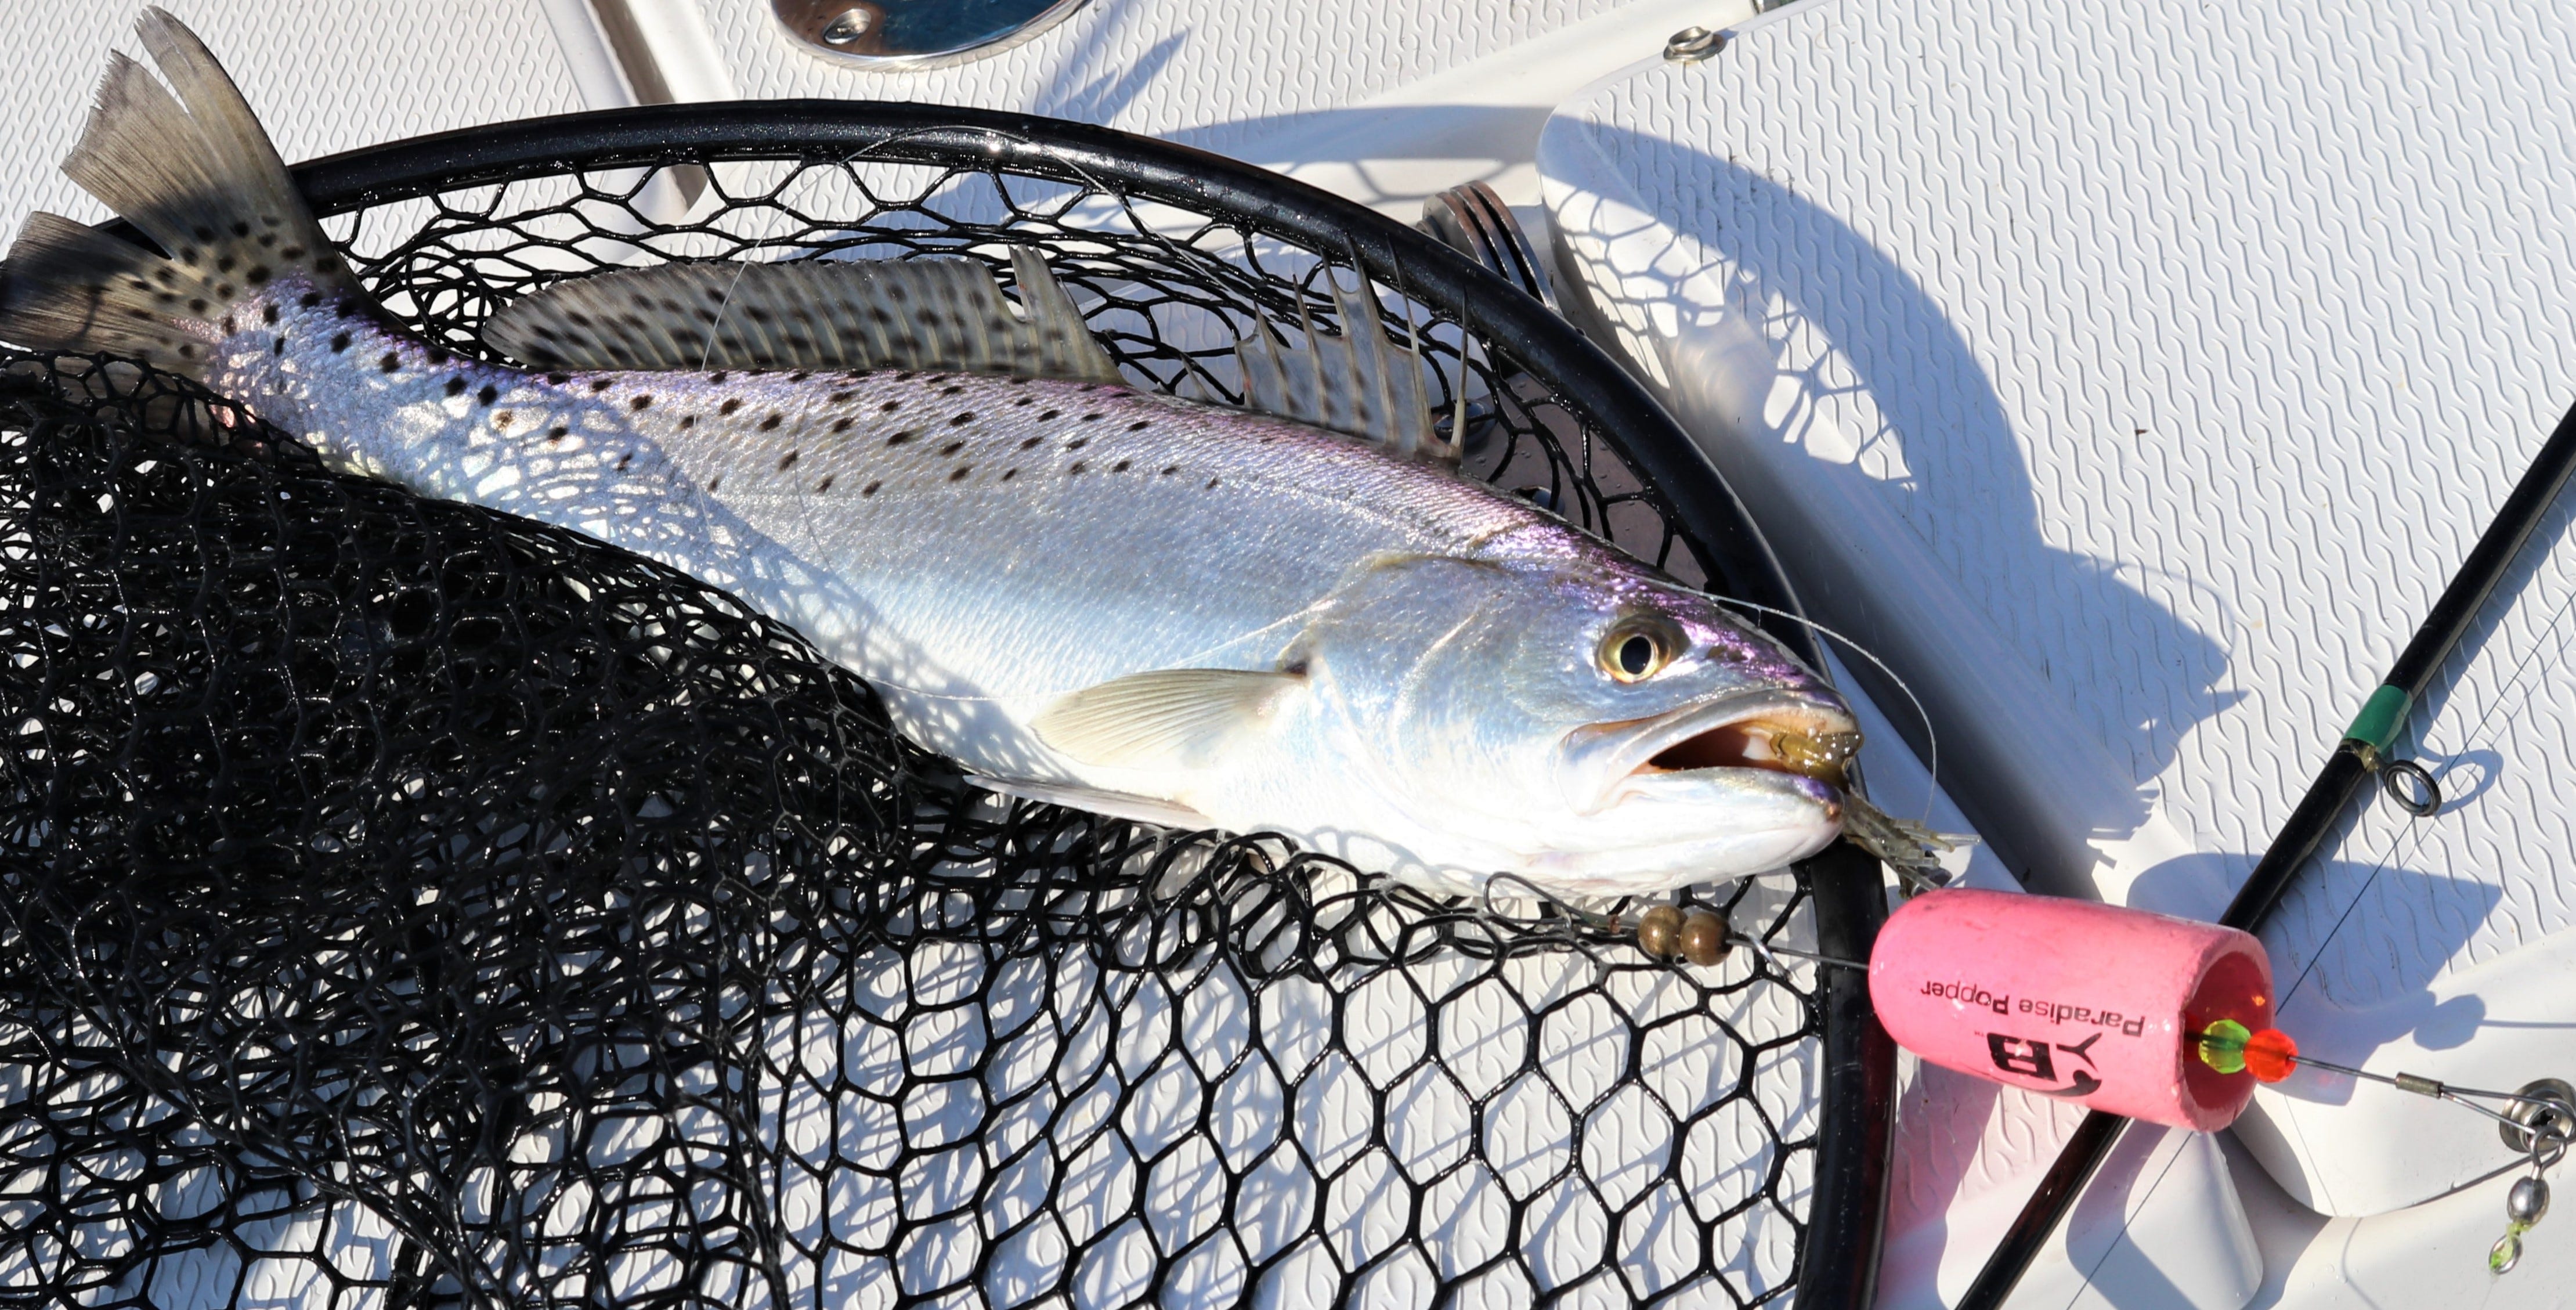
column 1636, row 650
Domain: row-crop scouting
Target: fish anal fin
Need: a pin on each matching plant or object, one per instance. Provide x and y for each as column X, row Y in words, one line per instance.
column 930, row 315
column 1165, row 719
column 1115, row 804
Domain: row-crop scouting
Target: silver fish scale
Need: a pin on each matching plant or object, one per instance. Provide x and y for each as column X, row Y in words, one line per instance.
column 1040, row 536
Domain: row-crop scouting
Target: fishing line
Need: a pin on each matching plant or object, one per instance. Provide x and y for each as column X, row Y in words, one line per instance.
column 2413, row 836
column 2402, row 847
column 1931, row 737
column 2318, row 811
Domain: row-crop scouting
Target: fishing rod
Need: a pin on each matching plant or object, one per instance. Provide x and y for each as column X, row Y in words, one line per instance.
column 2361, row 754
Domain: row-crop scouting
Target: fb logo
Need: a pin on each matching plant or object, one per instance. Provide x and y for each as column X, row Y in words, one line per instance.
column 2032, row 1058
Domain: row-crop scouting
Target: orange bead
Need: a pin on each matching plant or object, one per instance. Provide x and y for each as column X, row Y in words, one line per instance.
column 2270, row 1055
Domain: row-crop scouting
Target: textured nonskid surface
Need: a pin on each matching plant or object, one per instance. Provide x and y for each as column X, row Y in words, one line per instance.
column 2193, row 348
column 402, row 903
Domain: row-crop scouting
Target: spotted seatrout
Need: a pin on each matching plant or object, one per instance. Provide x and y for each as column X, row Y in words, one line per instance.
column 1175, row 611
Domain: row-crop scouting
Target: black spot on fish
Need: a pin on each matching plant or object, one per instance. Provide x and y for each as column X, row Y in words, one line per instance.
column 437, row 359
column 225, row 264
column 1138, row 426
column 241, row 229
column 278, row 347
column 1211, row 484
column 899, row 438
column 1119, row 467
column 800, row 374
column 870, row 489
column 339, row 342
column 769, row 424
column 1049, row 415
column 824, row 485
column 839, row 397
column 456, row 386
column 787, row 461
column 716, row 482
column 688, row 421
column 578, row 317
column 292, row 252
column 229, row 329
column 890, row 407
column 962, row 471
column 952, row 391
column 952, row 448
column 1008, row 474
column 268, row 313
column 1077, row 443
column 962, row 419
column 641, row 402
column 559, row 378
column 842, row 425
column 1077, row 468
column 598, row 385
column 501, row 422
column 390, row 362
column 1093, row 418
column 488, row 394
column 197, row 306
column 729, row 406
column 257, row 275
column 1022, row 403
column 1170, row 469
column 624, row 460
column 1031, row 443
column 558, row 432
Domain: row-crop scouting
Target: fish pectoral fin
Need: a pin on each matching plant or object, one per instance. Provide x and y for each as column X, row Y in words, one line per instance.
column 1358, row 383
column 932, row 315
column 1115, row 804
column 1165, row 719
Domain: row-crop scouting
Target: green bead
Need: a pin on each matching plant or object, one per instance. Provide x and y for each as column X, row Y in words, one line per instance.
column 2507, row 1252
column 2222, row 1046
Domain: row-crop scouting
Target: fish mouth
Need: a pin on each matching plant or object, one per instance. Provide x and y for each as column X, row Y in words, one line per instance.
column 1776, row 732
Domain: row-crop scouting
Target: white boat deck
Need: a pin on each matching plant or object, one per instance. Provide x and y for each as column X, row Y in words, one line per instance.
column 2133, row 377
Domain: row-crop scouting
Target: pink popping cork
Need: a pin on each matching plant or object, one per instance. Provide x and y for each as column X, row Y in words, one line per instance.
column 2097, row 1004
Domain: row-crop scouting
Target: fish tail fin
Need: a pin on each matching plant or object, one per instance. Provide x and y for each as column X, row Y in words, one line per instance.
column 195, row 173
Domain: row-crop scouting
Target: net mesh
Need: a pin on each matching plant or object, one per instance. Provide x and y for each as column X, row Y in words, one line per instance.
column 406, row 904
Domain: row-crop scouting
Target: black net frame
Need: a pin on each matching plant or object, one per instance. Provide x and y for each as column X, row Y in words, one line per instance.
column 402, row 903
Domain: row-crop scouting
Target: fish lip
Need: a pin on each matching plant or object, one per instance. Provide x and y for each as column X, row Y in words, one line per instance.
column 1616, row 754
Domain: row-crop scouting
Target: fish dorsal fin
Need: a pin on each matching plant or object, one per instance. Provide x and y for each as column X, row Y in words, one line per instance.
column 1358, row 383
column 1166, row 719
column 933, row 315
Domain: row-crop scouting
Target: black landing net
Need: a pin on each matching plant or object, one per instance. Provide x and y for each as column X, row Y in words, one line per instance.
column 404, row 904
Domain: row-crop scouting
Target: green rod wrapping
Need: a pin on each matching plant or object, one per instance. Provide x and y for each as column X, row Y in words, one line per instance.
column 2381, row 717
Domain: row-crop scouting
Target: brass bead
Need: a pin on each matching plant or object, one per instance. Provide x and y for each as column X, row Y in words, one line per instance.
column 1704, row 939
column 1659, row 931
